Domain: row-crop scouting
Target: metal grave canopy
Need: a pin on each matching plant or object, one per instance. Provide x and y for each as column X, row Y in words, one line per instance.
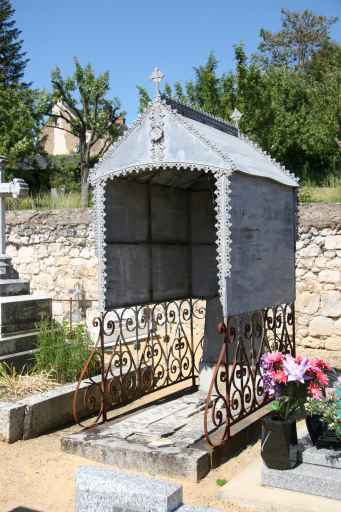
column 185, row 206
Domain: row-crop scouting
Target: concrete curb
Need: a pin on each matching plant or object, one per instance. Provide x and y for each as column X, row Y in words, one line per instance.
column 42, row 412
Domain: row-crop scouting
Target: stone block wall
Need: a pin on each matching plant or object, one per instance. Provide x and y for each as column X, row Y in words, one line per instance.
column 55, row 250
column 318, row 282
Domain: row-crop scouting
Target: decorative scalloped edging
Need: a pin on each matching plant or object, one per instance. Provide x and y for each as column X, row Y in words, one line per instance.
column 222, row 208
column 274, row 162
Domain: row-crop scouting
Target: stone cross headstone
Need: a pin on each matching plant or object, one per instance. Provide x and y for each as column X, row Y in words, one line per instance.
column 15, row 188
column 20, row 311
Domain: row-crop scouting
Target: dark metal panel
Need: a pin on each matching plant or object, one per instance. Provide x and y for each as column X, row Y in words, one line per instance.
column 204, row 271
column 126, row 211
column 263, row 246
column 160, row 241
column 127, row 275
column 169, row 214
column 202, row 217
column 170, row 272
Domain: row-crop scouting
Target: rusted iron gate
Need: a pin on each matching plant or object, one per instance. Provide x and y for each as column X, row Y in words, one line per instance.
column 143, row 349
column 236, row 389
column 140, row 350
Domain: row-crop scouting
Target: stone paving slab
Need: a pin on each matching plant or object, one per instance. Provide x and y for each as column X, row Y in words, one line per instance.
column 307, row 479
column 319, row 473
column 168, row 460
column 103, row 490
column 319, row 456
column 106, row 490
column 245, row 490
column 159, row 439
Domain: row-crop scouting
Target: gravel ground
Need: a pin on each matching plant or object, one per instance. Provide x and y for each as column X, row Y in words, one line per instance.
column 38, row 476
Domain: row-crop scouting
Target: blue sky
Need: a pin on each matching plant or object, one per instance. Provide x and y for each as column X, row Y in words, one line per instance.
column 129, row 38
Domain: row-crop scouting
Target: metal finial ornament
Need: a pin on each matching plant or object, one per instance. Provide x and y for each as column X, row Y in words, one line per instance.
column 236, row 117
column 157, row 76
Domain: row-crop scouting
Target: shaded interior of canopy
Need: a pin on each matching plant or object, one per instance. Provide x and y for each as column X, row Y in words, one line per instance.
column 160, row 237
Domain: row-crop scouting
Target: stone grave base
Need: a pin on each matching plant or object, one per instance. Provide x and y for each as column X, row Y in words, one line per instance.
column 105, row 490
column 245, row 491
column 318, row 474
column 164, row 438
column 19, row 318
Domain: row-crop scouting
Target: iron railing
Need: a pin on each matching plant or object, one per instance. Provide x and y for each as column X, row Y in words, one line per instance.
column 236, row 388
column 140, row 350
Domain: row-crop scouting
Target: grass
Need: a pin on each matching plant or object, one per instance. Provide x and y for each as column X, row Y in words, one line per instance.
column 328, row 192
column 310, row 194
column 15, row 385
column 45, row 202
column 60, row 359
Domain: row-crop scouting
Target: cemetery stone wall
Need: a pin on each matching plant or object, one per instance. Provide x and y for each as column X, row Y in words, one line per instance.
column 55, row 250
column 318, row 282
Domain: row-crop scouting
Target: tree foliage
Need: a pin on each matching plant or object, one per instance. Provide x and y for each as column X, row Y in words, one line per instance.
column 22, row 116
column 88, row 115
column 292, row 111
column 12, row 59
column 22, row 109
column 303, row 34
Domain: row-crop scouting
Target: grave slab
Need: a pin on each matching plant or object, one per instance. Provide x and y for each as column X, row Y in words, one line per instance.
column 246, row 490
column 319, row 473
column 305, row 478
column 104, row 490
column 166, row 437
column 159, row 440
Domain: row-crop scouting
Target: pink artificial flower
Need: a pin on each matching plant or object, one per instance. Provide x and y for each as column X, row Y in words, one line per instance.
column 322, row 378
column 321, row 364
column 275, row 357
column 314, row 390
column 281, row 377
column 299, row 359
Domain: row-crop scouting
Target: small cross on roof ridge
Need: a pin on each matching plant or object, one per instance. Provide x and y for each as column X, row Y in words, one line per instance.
column 157, row 76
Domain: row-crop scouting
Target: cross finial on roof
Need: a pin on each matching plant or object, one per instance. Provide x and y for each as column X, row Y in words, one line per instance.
column 236, row 117
column 157, row 76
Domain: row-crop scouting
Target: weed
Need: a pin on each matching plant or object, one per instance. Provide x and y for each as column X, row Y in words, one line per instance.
column 63, row 351
column 221, row 481
column 16, row 385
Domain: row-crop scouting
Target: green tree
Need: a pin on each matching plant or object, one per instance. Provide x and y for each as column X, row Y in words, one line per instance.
column 144, row 98
column 12, row 58
column 82, row 103
column 301, row 36
column 22, row 113
column 289, row 95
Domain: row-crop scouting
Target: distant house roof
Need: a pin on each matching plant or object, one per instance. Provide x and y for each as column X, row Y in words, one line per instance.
column 57, row 141
column 176, row 135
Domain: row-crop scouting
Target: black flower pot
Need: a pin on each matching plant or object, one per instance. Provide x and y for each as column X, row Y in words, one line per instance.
column 316, row 427
column 279, row 443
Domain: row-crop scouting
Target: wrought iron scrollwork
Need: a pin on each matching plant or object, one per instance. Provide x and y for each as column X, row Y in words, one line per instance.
column 139, row 350
column 236, row 388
